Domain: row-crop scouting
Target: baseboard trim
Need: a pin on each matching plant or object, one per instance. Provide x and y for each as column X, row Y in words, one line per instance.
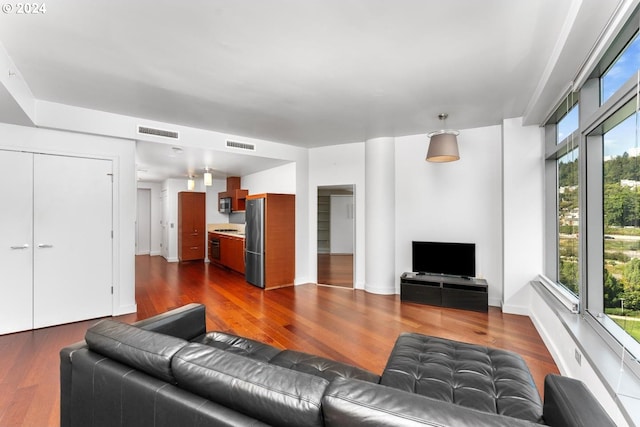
column 516, row 309
column 125, row 309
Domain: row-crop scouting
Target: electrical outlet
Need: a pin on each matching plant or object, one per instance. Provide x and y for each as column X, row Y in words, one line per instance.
column 578, row 356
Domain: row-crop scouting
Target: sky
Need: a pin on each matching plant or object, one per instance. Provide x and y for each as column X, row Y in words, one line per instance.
column 623, row 137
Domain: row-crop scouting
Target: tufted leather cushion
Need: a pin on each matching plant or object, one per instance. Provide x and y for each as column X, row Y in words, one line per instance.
column 321, row 367
column 239, row 345
column 486, row 379
column 269, row 393
column 147, row 351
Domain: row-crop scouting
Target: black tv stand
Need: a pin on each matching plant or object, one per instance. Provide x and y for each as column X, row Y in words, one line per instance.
column 445, row 291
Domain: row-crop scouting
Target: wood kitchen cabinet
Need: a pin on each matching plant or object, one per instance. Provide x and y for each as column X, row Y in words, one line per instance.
column 191, row 226
column 231, row 252
column 235, row 194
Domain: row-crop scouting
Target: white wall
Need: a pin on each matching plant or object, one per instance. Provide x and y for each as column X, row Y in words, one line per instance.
column 172, row 187
column 281, row 179
column 156, row 215
column 122, row 153
column 452, row 202
column 523, row 200
column 213, row 215
column 337, row 165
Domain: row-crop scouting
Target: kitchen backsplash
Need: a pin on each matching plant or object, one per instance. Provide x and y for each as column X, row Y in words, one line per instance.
column 237, row 217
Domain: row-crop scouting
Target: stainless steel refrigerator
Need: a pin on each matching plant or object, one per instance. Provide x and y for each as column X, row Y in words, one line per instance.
column 254, row 242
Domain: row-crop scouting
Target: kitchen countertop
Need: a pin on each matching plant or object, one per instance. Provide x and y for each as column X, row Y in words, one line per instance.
column 232, row 230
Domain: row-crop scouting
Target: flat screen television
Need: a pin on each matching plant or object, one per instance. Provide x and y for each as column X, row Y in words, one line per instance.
column 455, row 259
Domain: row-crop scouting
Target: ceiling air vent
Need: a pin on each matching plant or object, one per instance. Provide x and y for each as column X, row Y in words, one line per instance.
column 158, row 132
column 241, row 145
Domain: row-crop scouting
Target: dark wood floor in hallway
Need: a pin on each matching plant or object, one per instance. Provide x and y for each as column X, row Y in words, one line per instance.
column 335, row 270
column 348, row 325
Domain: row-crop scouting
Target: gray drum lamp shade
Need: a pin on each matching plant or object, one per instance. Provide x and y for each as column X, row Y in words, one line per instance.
column 444, row 144
column 443, row 147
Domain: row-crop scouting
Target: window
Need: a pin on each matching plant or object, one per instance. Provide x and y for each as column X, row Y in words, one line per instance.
column 593, row 191
column 563, row 268
column 621, row 219
column 568, row 221
column 624, row 67
column 568, row 124
column 592, row 206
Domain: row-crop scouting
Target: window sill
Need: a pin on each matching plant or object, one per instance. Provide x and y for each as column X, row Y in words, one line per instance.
column 605, row 360
column 570, row 301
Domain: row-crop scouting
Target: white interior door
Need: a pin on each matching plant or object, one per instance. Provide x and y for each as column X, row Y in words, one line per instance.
column 143, row 222
column 72, row 237
column 341, row 224
column 16, row 259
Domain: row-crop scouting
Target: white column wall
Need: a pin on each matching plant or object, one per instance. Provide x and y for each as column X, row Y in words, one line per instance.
column 523, row 225
column 380, row 228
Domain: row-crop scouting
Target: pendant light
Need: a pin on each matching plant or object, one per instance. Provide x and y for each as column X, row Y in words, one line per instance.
column 208, row 179
column 191, row 183
column 444, row 144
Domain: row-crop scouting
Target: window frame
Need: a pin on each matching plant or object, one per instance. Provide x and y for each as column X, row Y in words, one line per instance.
column 595, row 118
column 555, row 150
column 607, row 116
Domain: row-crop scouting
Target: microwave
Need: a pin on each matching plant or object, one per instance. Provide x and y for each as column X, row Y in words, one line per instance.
column 225, row 205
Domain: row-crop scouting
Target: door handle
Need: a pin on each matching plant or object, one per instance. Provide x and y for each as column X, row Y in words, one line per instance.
column 44, row 246
column 25, row 246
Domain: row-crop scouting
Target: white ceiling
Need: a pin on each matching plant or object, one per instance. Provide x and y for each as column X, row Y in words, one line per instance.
column 157, row 162
column 306, row 72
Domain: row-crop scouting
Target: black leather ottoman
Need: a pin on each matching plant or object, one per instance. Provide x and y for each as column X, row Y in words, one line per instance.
column 486, row 379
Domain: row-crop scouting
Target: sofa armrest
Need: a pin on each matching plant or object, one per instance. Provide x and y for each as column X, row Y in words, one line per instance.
column 186, row 322
column 66, row 355
column 568, row 403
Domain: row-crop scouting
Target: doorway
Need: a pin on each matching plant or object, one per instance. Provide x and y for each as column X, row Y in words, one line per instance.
column 336, row 235
column 143, row 222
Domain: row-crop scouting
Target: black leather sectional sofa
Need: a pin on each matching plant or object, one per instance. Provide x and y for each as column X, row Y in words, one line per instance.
column 168, row 371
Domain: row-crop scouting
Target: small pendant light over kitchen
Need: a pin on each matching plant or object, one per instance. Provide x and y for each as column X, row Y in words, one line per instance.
column 191, row 183
column 208, row 179
column 444, row 144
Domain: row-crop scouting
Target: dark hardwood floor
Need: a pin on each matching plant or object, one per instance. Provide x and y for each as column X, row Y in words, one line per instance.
column 335, row 270
column 348, row 325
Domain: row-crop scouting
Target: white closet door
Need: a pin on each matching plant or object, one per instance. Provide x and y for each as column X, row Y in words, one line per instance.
column 16, row 256
column 72, row 238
